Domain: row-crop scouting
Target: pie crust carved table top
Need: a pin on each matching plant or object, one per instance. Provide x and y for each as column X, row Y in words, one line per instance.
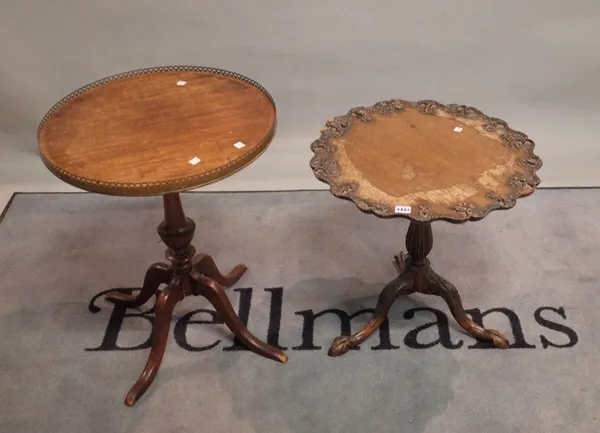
column 425, row 161
column 135, row 133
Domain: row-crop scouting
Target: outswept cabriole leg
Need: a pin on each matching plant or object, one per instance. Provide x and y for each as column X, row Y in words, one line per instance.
column 215, row 294
column 204, row 264
column 157, row 274
column 437, row 285
column 165, row 305
column 400, row 285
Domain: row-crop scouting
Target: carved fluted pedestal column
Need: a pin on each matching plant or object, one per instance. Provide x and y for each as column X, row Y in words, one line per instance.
column 416, row 275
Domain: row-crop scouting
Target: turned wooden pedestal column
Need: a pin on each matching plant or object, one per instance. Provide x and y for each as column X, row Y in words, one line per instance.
column 188, row 274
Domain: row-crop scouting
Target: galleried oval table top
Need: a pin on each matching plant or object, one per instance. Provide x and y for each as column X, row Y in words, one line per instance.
column 143, row 132
column 161, row 131
column 425, row 161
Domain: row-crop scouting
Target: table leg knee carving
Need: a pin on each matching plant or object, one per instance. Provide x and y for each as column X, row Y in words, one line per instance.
column 400, row 285
column 437, row 285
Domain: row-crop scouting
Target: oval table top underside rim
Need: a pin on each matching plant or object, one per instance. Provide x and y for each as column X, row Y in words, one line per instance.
column 183, row 183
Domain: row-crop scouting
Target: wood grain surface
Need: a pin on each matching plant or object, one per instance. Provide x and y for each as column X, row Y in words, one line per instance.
column 135, row 134
column 441, row 162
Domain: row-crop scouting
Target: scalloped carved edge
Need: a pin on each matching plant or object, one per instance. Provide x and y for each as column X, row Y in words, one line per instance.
column 326, row 167
column 162, row 187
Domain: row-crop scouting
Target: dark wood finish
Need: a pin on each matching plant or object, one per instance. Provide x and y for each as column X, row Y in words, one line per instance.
column 423, row 161
column 188, row 274
column 134, row 134
column 400, row 153
column 416, row 275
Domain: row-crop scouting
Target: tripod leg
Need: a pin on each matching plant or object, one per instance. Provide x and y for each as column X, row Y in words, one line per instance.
column 204, row 264
column 215, row 293
column 157, row 274
column 165, row 305
column 436, row 285
column 401, row 284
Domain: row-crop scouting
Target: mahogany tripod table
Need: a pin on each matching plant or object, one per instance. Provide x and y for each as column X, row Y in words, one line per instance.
column 423, row 161
column 161, row 131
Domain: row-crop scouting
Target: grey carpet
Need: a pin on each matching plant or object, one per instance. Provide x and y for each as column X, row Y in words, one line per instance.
column 64, row 368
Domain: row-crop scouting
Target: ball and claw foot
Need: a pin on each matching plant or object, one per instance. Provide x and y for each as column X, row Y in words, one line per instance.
column 341, row 345
column 403, row 284
column 439, row 286
column 499, row 340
